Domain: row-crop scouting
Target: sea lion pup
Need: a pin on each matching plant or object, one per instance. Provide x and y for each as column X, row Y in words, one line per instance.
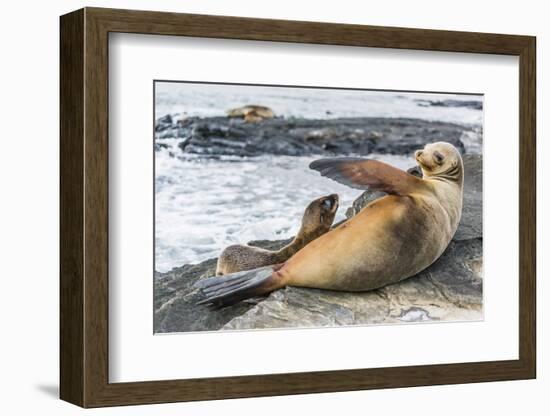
column 392, row 238
column 316, row 221
column 252, row 113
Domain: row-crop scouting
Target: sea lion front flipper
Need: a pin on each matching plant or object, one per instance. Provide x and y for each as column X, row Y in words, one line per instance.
column 361, row 173
column 227, row 290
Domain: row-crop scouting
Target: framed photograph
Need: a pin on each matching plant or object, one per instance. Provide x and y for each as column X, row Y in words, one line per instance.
column 256, row 207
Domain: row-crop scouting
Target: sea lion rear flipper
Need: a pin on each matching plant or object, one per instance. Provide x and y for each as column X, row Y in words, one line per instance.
column 361, row 173
column 232, row 288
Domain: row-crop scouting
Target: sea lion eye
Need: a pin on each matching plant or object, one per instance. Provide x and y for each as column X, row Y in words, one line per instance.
column 327, row 204
column 438, row 157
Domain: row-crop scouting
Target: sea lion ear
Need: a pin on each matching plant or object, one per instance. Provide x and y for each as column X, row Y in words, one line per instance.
column 368, row 174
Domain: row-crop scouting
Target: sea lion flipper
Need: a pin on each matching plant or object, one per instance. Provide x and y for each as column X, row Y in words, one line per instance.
column 232, row 288
column 361, row 173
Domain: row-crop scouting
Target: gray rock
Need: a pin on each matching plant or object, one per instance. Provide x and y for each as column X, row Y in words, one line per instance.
column 450, row 289
column 164, row 123
column 217, row 136
column 474, row 105
column 175, row 298
column 471, row 225
column 175, row 301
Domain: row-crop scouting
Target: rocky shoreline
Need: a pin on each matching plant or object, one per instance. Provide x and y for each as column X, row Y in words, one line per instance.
column 224, row 136
column 450, row 289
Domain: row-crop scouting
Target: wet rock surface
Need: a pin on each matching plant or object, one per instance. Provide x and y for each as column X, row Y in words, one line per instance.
column 223, row 136
column 474, row 105
column 175, row 298
column 450, row 289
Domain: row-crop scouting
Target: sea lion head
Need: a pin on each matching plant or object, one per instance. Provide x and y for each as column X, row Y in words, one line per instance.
column 440, row 160
column 319, row 214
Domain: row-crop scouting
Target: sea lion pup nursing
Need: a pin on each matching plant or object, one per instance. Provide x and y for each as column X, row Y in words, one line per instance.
column 316, row 221
column 390, row 239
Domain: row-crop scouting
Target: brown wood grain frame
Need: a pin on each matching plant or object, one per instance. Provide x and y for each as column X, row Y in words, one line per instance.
column 84, row 216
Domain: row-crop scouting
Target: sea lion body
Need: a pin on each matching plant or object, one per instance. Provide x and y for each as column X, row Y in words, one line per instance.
column 251, row 113
column 390, row 239
column 316, row 221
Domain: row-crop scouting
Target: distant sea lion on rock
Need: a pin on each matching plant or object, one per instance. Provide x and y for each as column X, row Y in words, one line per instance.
column 390, row 239
column 316, row 221
column 252, row 113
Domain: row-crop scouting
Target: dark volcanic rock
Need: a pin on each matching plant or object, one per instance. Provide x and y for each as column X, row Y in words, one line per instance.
column 450, row 289
column 175, row 301
column 216, row 136
column 164, row 123
column 474, row 105
column 175, row 298
column 472, row 207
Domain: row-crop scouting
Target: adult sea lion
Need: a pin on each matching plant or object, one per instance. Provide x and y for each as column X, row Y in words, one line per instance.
column 252, row 113
column 316, row 221
column 390, row 239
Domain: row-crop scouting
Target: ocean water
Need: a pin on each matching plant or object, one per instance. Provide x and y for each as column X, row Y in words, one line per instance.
column 203, row 205
column 206, row 100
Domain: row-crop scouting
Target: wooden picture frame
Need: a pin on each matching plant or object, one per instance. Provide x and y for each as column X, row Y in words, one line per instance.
column 84, row 207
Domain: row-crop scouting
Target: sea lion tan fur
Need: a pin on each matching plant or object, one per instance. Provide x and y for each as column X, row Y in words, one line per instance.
column 316, row 221
column 390, row 239
column 252, row 113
